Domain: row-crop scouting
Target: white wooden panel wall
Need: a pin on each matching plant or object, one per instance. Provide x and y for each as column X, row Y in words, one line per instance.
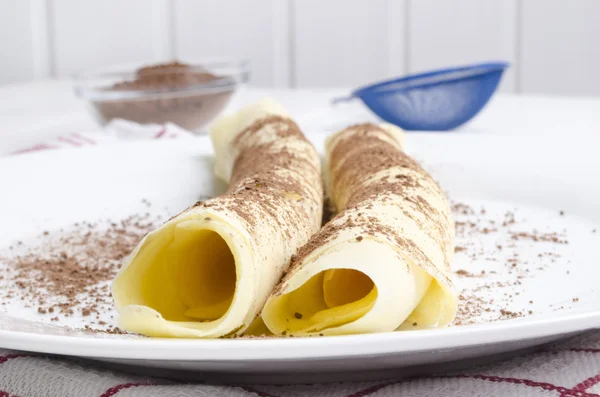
column 560, row 50
column 460, row 32
column 343, row 43
column 252, row 30
column 553, row 44
column 100, row 33
column 15, row 41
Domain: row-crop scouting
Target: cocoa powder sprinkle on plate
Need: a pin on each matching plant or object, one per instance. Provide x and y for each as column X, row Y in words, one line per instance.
column 69, row 271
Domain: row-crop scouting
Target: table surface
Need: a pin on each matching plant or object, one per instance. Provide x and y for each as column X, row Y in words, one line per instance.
column 33, row 110
column 28, row 112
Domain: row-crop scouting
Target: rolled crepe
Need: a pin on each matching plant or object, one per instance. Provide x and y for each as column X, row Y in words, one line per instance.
column 208, row 271
column 383, row 261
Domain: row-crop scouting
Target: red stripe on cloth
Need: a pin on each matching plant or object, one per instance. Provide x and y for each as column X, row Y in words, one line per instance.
column 370, row 390
column 70, row 141
column 572, row 349
column 4, row 359
column 115, row 389
column 162, row 132
column 564, row 392
column 5, row 394
column 83, row 138
column 259, row 393
column 41, row 146
column 583, row 350
column 577, row 391
column 586, row 384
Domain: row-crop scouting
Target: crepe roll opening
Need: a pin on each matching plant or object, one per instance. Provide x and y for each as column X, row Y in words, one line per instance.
column 329, row 299
column 202, row 269
column 187, row 272
column 345, row 286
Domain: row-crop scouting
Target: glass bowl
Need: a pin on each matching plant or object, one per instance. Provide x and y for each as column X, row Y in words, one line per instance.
column 190, row 95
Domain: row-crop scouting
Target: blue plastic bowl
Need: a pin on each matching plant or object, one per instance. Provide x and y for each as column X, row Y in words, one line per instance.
column 437, row 101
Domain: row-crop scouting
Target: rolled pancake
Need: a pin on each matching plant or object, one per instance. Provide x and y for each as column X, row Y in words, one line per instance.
column 383, row 261
column 208, row 271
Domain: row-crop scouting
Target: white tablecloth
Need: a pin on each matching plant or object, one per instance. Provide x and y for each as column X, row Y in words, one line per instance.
column 31, row 111
column 39, row 112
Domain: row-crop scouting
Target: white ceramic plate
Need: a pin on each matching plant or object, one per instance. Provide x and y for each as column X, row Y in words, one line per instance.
column 534, row 180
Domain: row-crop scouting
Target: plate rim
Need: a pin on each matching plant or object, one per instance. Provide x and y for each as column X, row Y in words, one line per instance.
column 277, row 348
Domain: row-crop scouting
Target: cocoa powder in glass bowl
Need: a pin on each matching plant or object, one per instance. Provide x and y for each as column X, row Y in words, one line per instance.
column 189, row 95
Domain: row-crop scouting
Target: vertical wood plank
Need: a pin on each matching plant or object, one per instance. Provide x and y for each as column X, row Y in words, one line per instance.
column 455, row 32
column 15, row 41
column 41, row 39
column 398, row 28
column 341, row 42
column 163, row 34
column 560, row 51
column 235, row 29
column 282, row 42
column 100, row 33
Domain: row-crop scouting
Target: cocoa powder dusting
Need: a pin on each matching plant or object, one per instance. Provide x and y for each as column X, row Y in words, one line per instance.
column 68, row 272
column 275, row 183
column 359, row 153
column 505, row 280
